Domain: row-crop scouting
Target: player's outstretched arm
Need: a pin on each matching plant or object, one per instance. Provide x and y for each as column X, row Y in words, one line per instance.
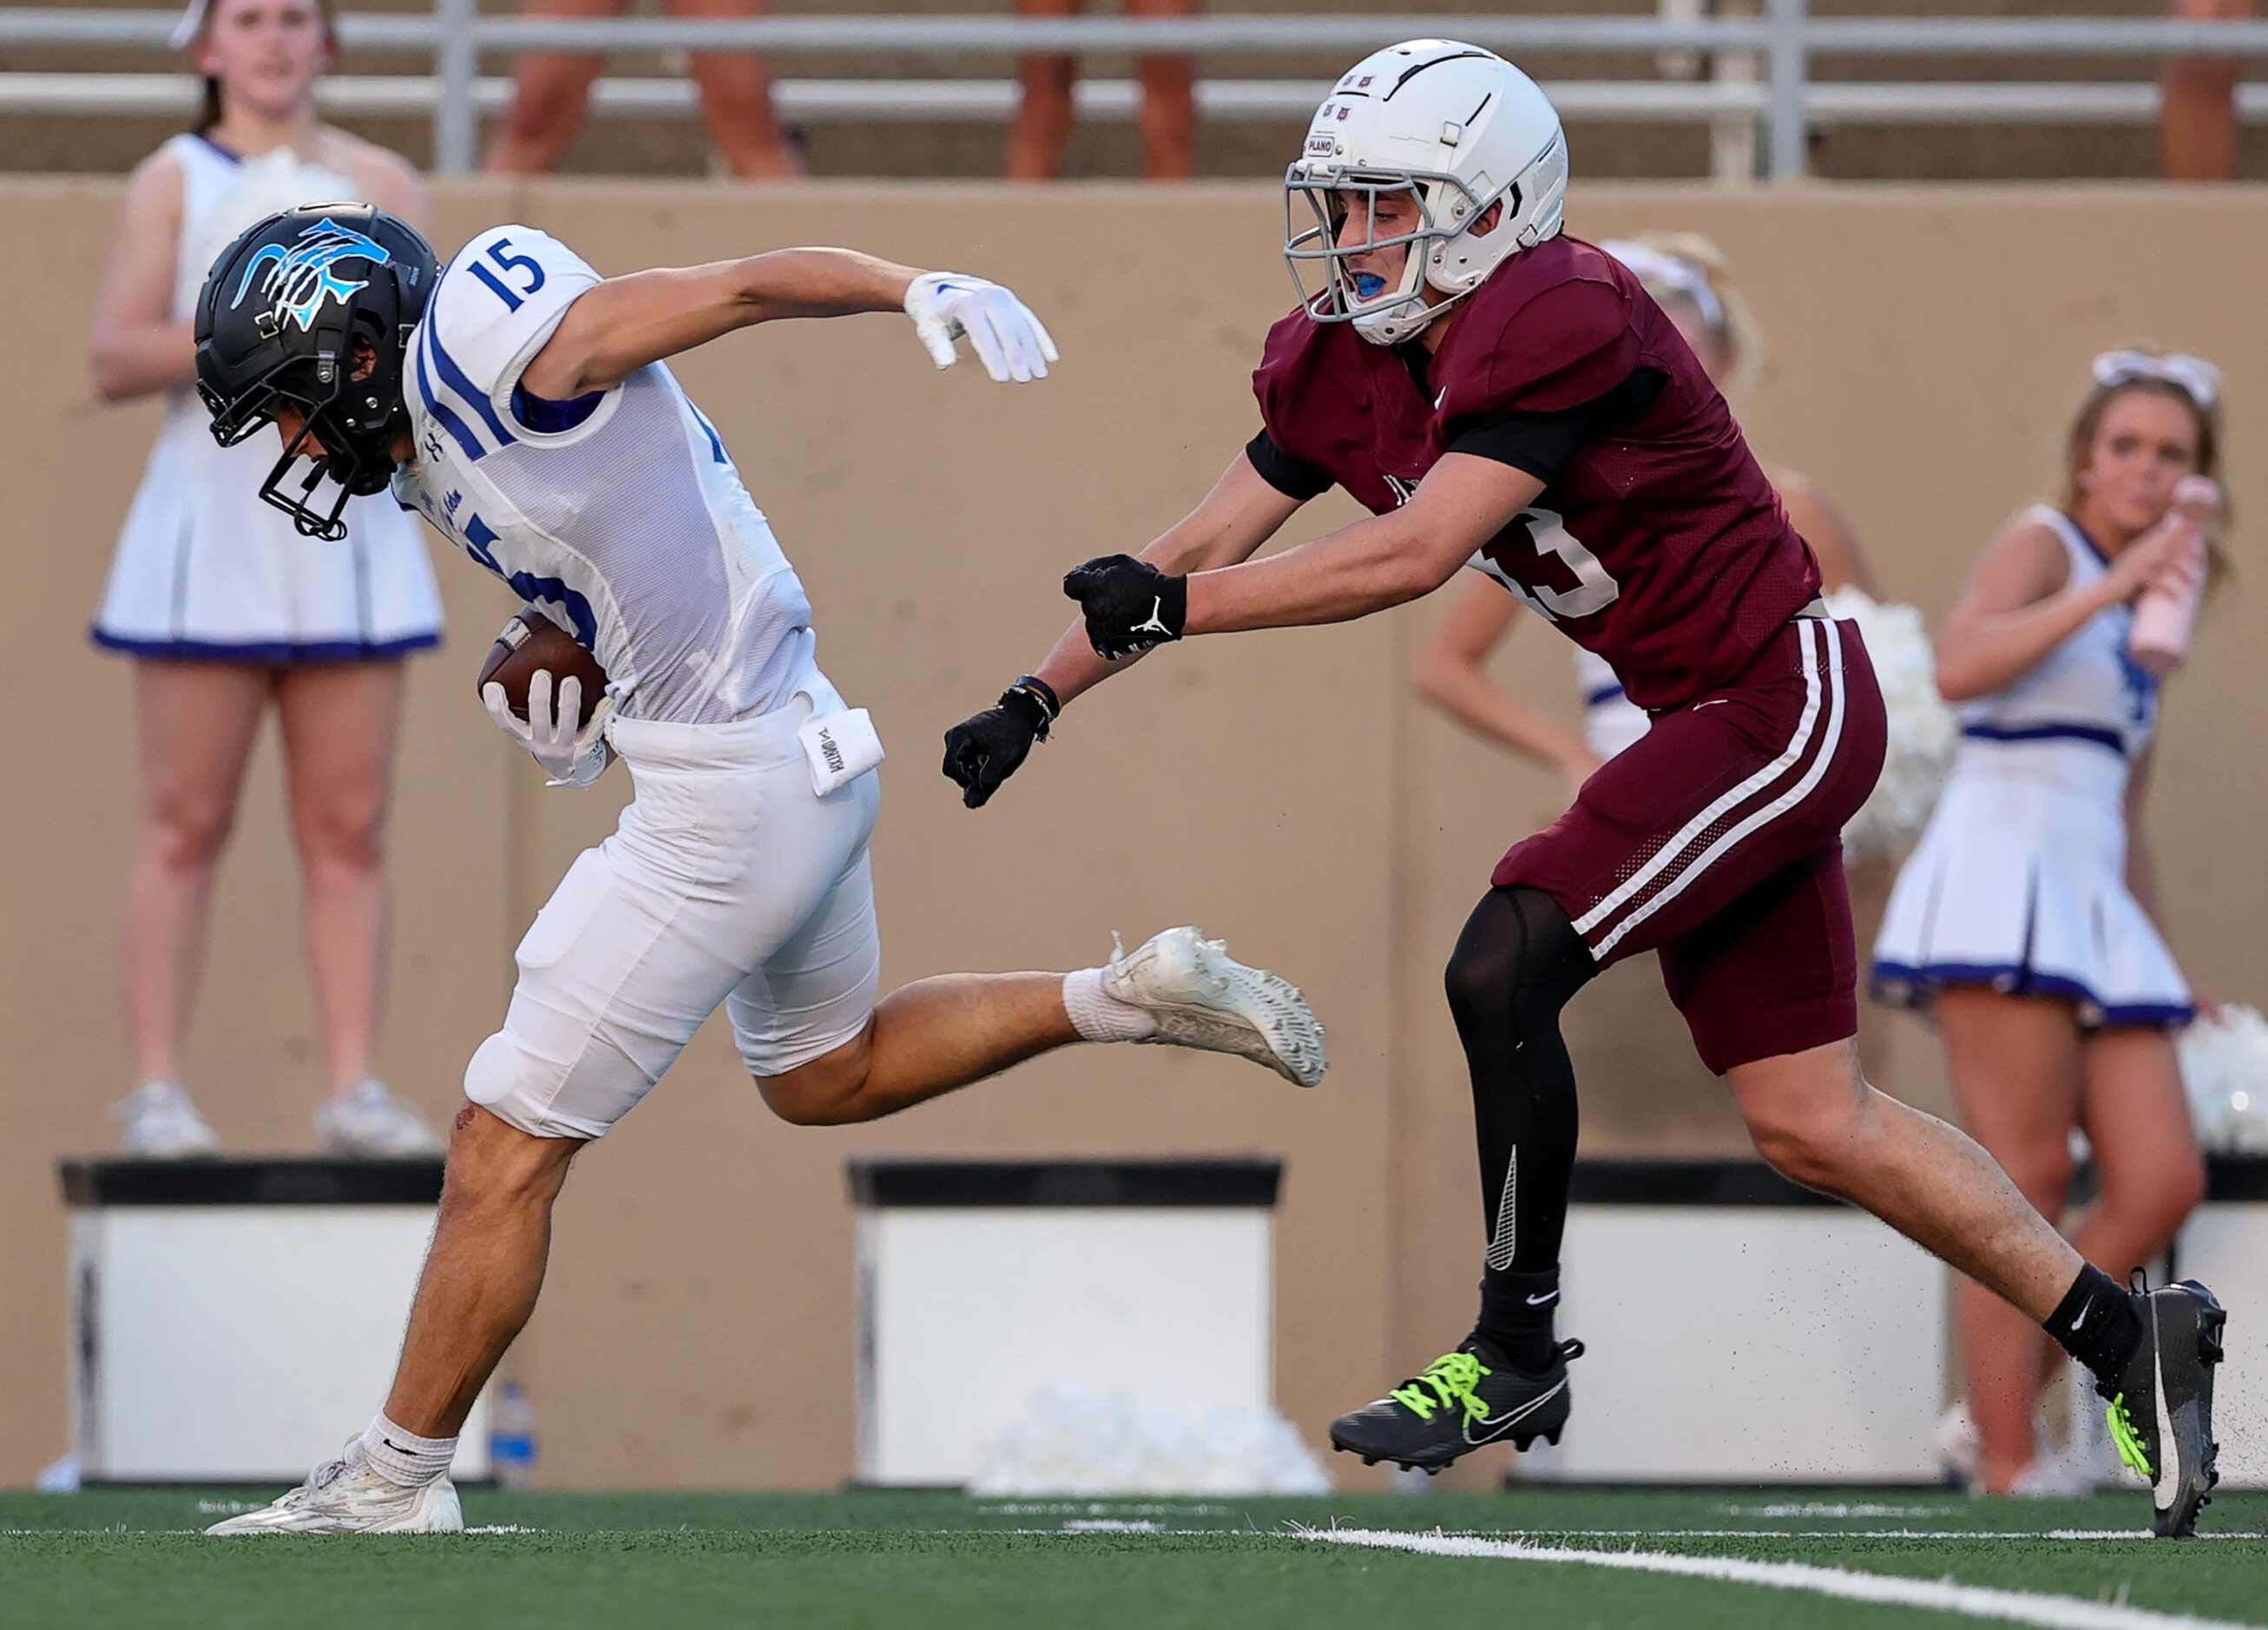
column 619, row 326
column 1383, row 561
column 1241, row 512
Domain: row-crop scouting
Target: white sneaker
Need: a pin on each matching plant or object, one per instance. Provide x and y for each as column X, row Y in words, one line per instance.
column 2053, row 1477
column 1960, row 1450
column 162, row 1125
column 349, row 1496
column 371, row 1121
column 1202, row 997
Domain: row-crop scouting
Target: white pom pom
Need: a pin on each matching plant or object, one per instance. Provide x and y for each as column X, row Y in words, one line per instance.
column 1923, row 731
column 2225, row 1067
column 257, row 189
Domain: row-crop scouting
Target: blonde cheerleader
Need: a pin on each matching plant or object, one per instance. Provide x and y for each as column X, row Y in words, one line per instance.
column 225, row 609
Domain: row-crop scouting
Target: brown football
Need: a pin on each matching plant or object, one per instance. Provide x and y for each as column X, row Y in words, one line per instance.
column 534, row 641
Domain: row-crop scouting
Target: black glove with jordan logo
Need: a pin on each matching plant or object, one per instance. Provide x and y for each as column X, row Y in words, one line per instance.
column 1130, row 604
column 982, row 752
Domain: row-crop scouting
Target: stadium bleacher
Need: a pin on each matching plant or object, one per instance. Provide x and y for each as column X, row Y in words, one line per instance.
column 2015, row 139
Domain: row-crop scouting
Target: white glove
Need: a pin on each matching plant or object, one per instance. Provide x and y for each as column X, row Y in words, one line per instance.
column 1008, row 340
column 570, row 756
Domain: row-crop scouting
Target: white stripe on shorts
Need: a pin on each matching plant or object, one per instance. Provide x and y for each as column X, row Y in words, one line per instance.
column 1811, row 631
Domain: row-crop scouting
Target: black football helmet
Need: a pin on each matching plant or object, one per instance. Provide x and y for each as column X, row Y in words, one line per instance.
column 279, row 322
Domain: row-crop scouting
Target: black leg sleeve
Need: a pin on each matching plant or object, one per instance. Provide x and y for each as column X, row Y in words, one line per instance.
column 1516, row 965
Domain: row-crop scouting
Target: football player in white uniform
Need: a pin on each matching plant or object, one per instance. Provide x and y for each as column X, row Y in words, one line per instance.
column 521, row 403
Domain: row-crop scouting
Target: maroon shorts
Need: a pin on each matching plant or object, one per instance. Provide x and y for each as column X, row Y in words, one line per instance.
column 1716, row 838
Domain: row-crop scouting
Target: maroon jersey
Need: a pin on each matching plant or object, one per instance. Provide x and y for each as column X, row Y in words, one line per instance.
column 1658, row 543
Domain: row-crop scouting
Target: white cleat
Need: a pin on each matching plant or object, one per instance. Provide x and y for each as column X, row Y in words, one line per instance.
column 349, row 1496
column 1202, row 997
column 160, row 1124
column 370, row 1121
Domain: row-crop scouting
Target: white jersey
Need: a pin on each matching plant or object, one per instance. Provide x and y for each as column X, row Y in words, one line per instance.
column 2087, row 689
column 620, row 515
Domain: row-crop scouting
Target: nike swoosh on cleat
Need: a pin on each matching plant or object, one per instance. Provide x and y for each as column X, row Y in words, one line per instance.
column 2166, row 1488
column 1501, row 1427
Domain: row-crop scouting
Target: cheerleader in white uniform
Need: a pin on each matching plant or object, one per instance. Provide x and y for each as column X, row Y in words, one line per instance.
column 2024, row 918
column 1686, row 277
column 224, row 607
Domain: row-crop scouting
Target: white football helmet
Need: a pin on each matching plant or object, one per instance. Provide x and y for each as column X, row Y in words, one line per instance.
column 1455, row 128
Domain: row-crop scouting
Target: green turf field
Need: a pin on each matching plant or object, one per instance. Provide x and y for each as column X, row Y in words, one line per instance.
column 1553, row 1561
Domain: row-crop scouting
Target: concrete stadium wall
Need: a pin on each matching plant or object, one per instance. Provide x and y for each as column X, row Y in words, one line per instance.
column 1284, row 789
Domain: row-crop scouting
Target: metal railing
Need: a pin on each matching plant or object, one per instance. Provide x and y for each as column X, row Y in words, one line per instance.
column 1786, row 101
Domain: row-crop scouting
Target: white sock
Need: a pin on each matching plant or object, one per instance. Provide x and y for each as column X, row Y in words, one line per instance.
column 404, row 1458
column 1098, row 1016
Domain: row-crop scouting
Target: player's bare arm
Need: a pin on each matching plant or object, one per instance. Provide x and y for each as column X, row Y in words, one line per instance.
column 625, row 323
column 1377, row 562
column 1229, row 525
column 1385, row 560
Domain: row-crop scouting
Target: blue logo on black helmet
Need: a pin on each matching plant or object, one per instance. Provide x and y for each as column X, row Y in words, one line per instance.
column 300, row 279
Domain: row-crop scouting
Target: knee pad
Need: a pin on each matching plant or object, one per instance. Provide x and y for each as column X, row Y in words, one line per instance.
column 499, row 1079
column 1519, row 960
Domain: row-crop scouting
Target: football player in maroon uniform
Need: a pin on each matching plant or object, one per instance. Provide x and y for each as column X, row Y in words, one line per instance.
column 1504, row 396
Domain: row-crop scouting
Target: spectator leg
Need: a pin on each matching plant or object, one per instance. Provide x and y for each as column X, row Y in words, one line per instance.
column 197, row 722
column 1044, row 116
column 340, row 724
column 2137, row 1119
column 2197, row 123
column 1169, row 115
column 736, row 100
column 2016, row 1064
column 551, row 91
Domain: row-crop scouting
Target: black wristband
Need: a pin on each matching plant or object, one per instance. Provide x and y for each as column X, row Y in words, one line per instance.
column 1029, row 706
column 1045, row 691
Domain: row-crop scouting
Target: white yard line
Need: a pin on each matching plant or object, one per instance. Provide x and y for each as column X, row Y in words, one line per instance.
column 2020, row 1607
column 1836, row 1509
column 1843, row 1533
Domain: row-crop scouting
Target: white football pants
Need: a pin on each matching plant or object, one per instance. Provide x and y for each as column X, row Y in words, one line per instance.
column 728, row 881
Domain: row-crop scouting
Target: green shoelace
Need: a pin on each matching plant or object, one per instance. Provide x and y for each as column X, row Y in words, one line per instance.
column 2128, row 1441
column 1451, row 1378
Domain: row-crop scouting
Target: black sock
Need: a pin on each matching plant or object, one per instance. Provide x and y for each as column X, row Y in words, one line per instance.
column 1516, row 1312
column 2097, row 1323
column 1517, row 963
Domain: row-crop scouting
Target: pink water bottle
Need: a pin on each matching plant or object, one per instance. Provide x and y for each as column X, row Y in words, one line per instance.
column 2165, row 613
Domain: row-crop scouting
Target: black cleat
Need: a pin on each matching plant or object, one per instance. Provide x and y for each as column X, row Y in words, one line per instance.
column 1465, row 1400
column 2161, row 1406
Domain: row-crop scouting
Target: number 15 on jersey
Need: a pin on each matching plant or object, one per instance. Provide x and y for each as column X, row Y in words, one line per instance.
column 498, row 267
